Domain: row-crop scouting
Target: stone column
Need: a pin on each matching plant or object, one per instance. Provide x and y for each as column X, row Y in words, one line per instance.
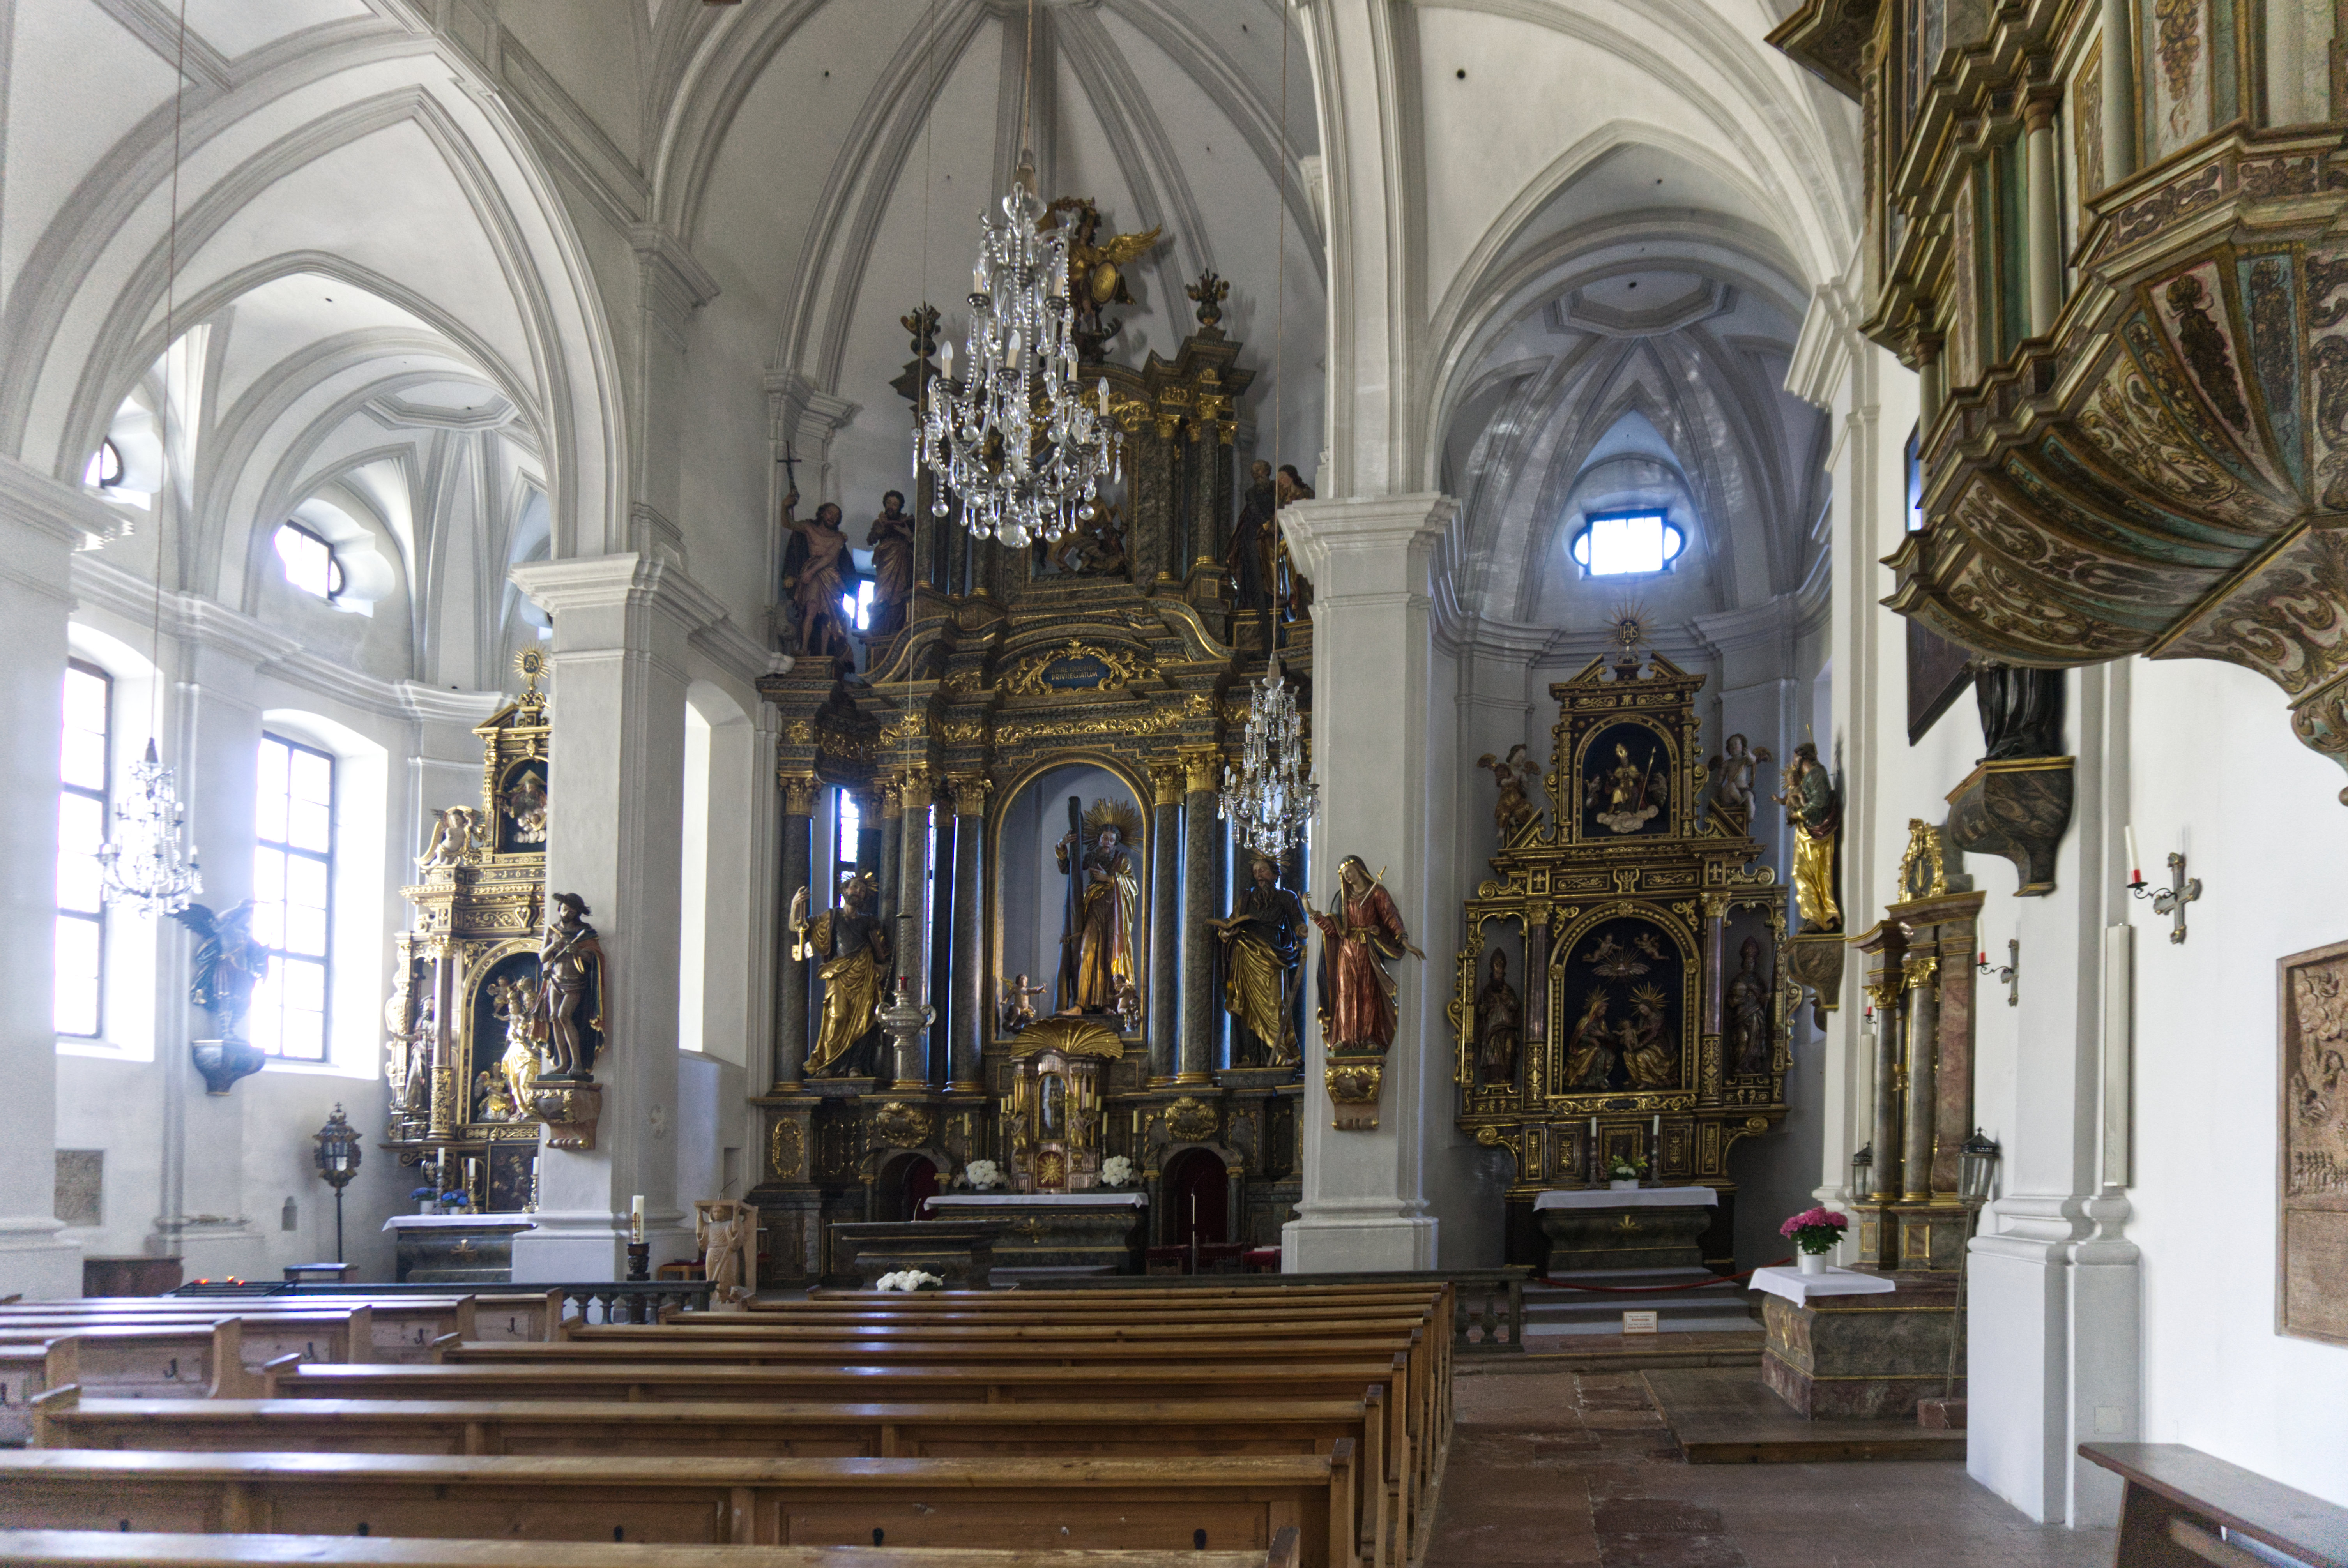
column 1372, row 564
column 800, row 791
column 912, row 936
column 1198, row 779
column 615, row 837
column 967, row 1050
column 1921, row 975
column 1165, row 917
column 42, row 523
column 889, row 872
column 2043, row 223
column 938, row 978
column 2119, row 105
column 1885, row 995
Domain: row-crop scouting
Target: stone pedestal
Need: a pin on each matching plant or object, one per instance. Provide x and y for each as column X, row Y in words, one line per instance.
column 1088, row 1233
column 1872, row 1356
column 455, row 1249
column 961, row 1254
column 1622, row 1237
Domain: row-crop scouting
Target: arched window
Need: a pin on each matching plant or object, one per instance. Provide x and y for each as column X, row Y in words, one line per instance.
column 293, row 894
column 1626, row 542
column 310, row 563
column 86, row 765
column 105, row 470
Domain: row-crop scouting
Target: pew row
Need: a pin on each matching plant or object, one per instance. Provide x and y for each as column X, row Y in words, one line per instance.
column 113, row 1549
column 1014, row 1503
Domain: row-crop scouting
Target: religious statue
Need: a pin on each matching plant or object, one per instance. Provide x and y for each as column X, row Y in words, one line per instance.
column 1514, row 774
column 457, row 837
column 1291, row 587
column 1628, row 795
column 1096, row 272
column 2021, row 710
column 1094, row 547
column 855, row 950
column 1817, row 815
column 570, row 989
column 816, row 572
column 227, row 963
column 489, row 1098
column 1128, row 1005
column 526, row 804
column 1361, row 934
column 723, row 1230
column 891, row 538
column 1248, row 559
column 1019, row 1003
column 1589, row 1051
column 1499, row 1025
column 1748, row 1012
column 1647, row 1056
column 1732, row 780
column 1104, row 891
column 513, row 1002
column 417, row 1042
column 1263, row 943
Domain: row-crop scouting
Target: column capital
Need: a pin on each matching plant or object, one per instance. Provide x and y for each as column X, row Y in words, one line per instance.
column 969, row 792
column 1370, row 547
column 626, row 583
column 799, row 791
column 1166, row 780
column 1202, row 769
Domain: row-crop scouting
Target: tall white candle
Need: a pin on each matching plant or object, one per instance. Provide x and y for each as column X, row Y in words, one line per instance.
column 2136, row 867
column 636, row 1217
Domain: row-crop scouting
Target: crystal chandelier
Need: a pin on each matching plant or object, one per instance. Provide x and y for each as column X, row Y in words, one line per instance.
column 1269, row 793
column 1017, row 443
column 142, row 865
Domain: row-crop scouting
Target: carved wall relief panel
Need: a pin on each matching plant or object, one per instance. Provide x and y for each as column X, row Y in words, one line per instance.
column 2311, row 1229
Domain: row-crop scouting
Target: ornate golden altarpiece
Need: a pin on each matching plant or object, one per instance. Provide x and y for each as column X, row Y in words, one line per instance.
column 460, row 1100
column 1627, row 909
column 1124, row 656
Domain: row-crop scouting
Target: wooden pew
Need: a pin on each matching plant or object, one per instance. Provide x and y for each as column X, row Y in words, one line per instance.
column 1014, row 1503
column 64, row 1419
column 113, row 1549
column 2178, row 1500
column 398, row 1322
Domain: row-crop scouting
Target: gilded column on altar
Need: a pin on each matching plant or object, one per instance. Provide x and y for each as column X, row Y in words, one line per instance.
column 967, row 1026
column 1196, row 1058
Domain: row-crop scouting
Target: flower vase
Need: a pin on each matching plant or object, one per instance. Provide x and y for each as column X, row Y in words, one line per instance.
column 1815, row 1263
column 1619, row 1185
column 426, row 1206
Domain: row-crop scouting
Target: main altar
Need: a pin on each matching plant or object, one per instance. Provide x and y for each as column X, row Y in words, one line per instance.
column 1000, row 804
column 1653, row 1021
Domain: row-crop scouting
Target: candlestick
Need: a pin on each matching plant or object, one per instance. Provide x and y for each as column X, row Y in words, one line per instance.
column 636, row 1218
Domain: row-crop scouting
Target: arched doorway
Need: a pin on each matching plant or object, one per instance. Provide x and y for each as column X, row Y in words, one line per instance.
column 905, row 1185
column 1196, row 1187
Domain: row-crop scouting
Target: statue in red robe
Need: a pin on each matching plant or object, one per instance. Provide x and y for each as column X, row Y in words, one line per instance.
column 1361, row 934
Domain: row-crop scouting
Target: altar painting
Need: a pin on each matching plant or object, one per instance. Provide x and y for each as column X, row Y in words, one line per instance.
column 1623, row 987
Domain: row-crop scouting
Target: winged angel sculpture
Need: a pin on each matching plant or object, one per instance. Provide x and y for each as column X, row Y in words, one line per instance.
column 1095, row 270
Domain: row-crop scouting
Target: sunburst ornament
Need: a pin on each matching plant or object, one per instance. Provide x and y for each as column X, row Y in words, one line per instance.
column 1627, row 627
column 533, row 666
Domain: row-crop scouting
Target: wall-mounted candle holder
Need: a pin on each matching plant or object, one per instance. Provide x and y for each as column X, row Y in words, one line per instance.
column 2171, row 900
column 2009, row 973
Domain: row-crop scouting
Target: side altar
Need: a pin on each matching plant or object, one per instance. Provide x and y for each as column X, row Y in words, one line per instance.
column 1653, row 1024
column 1000, row 804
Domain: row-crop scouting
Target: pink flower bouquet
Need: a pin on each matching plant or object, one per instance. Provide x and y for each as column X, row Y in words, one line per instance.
column 1815, row 1230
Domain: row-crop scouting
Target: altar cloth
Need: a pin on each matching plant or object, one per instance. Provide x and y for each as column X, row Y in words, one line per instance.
column 1135, row 1199
column 460, row 1222
column 1799, row 1287
column 1634, row 1198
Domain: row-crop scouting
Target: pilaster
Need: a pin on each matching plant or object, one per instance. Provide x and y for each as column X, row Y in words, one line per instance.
column 1196, row 1061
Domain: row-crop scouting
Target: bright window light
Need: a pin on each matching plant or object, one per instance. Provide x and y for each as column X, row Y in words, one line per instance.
column 1631, row 542
column 81, row 828
column 310, row 563
column 292, row 875
column 105, row 470
column 856, row 608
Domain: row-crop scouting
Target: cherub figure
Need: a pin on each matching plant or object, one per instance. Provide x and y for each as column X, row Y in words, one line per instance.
column 456, row 838
column 1516, row 775
column 1019, row 1004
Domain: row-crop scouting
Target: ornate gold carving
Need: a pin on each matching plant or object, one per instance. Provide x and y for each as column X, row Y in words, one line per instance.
column 1921, row 873
column 1190, row 1121
column 1202, row 769
column 799, row 791
column 969, row 792
column 1166, row 782
column 963, row 732
column 1919, row 973
column 800, row 732
column 569, row 1112
column 1883, row 994
column 1354, row 1088
column 786, row 1151
column 900, row 1125
column 1136, row 719
column 1122, row 667
column 906, row 727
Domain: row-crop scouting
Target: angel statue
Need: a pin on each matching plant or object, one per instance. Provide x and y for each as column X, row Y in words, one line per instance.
column 457, row 839
column 1732, row 780
column 1095, row 271
column 229, row 962
column 1019, row 1003
column 725, row 1230
column 1516, row 774
column 855, row 952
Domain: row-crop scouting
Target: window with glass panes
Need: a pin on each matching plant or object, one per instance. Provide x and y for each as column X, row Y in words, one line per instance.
column 80, row 1002
column 293, row 883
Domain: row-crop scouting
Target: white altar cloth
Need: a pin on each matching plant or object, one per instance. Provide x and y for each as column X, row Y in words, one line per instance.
column 453, row 1222
column 1136, row 1200
column 1635, row 1198
column 1799, row 1287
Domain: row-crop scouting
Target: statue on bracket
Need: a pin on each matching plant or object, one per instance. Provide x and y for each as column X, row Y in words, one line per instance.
column 1817, row 814
column 2021, row 710
column 891, row 538
column 1514, row 774
column 229, row 962
column 1499, row 1025
column 1097, row 950
column 855, row 950
column 1262, row 946
column 1361, row 933
column 816, row 571
column 570, row 990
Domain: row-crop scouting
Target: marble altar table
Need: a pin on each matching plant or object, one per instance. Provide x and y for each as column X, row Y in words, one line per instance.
column 960, row 1251
column 455, row 1249
column 1640, row 1227
column 1079, row 1233
column 1834, row 1350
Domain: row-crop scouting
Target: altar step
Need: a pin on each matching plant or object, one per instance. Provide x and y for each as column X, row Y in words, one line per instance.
column 1552, row 1310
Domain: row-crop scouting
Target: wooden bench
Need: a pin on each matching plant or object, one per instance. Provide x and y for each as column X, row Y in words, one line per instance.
column 2179, row 1501
column 64, row 1419
column 1014, row 1503
column 113, row 1549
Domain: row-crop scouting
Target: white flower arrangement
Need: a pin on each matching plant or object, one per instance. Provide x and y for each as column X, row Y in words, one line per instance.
column 1115, row 1171
column 909, row 1279
column 983, row 1174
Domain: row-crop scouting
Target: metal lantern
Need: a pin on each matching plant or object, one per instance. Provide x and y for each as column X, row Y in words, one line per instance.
column 339, row 1154
column 1862, row 1175
column 1977, row 1159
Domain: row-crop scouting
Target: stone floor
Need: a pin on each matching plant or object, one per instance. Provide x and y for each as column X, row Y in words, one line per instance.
column 1577, row 1467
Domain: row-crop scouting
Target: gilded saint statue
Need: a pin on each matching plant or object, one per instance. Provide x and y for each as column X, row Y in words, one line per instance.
column 891, row 538
column 1263, row 944
column 1361, row 934
column 1629, row 794
column 1748, row 1012
column 513, row 1002
column 1097, row 942
column 1647, row 1056
column 1499, row 1025
column 1514, row 774
column 855, row 950
column 1816, row 815
column 570, row 989
column 1590, row 1049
